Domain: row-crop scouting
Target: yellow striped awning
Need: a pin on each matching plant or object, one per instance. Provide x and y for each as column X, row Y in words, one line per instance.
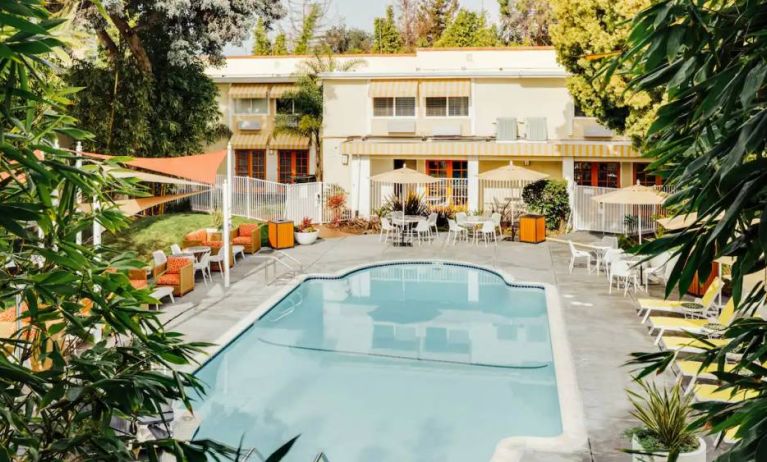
column 445, row 88
column 248, row 90
column 393, row 88
column 250, row 140
column 289, row 141
column 488, row 148
column 278, row 90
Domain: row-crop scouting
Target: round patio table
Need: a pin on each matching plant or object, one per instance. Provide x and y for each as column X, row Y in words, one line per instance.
column 405, row 223
column 472, row 222
column 198, row 251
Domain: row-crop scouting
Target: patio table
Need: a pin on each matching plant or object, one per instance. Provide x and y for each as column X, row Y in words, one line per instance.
column 197, row 251
column 404, row 223
column 599, row 250
column 472, row 222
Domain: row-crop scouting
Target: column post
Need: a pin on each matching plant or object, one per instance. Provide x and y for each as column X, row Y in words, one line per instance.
column 473, row 186
column 568, row 173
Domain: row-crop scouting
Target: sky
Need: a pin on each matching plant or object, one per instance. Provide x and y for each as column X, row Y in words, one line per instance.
column 360, row 14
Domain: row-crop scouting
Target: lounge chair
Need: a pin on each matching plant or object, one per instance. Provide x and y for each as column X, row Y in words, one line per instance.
column 655, row 305
column 690, row 344
column 694, row 326
column 710, row 392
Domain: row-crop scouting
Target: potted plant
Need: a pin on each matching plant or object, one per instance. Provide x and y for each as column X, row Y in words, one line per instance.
column 664, row 433
column 306, row 233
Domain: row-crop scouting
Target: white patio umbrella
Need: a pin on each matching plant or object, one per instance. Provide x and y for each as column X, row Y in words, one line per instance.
column 404, row 175
column 633, row 195
column 679, row 222
column 512, row 172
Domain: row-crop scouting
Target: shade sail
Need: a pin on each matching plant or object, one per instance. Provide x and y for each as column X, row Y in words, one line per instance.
column 404, row 175
column 248, row 90
column 445, row 88
column 133, row 206
column 250, row 140
column 393, row 88
column 632, row 195
column 149, row 177
column 512, row 172
column 201, row 168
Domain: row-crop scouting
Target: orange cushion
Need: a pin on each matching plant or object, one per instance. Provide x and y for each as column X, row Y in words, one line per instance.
column 247, row 229
column 169, row 279
column 241, row 240
column 175, row 264
column 215, row 244
column 8, row 315
column 199, row 235
column 138, row 283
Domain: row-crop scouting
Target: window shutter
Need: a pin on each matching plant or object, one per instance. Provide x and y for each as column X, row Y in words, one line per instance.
column 536, row 129
column 506, row 129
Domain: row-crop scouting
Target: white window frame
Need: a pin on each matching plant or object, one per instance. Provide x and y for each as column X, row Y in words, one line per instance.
column 237, row 112
column 447, row 108
column 394, row 107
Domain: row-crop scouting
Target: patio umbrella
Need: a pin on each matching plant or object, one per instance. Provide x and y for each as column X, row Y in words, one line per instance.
column 512, row 172
column 682, row 221
column 404, row 175
column 633, row 195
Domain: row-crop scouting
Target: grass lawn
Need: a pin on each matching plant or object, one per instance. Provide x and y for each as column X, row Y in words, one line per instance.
column 147, row 234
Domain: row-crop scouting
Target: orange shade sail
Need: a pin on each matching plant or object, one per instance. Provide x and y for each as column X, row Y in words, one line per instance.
column 201, row 168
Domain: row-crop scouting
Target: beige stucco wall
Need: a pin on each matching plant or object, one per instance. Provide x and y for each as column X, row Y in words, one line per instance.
column 345, row 108
column 334, row 170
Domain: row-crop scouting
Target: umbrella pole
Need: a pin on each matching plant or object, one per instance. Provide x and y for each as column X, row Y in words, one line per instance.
column 640, row 227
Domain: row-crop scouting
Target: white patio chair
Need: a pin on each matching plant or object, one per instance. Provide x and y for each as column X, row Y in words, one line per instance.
column 610, row 256
column 387, row 230
column 219, row 259
column 496, row 217
column 422, row 231
column 460, row 218
column 659, row 269
column 432, row 221
column 175, row 249
column 203, row 265
column 455, row 231
column 159, row 258
column 487, row 231
column 621, row 271
column 576, row 254
column 609, row 241
column 238, row 250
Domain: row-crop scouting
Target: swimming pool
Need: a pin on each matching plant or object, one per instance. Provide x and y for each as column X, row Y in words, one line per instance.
column 404, row 361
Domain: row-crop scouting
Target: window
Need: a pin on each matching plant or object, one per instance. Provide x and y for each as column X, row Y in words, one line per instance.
column 251, row 106
column 292, row 164
column 250, row 163
column 598, row 174
column 394, row 107
column 286, row 106
column 454, row 106
column 644, row 178
column 452, row 192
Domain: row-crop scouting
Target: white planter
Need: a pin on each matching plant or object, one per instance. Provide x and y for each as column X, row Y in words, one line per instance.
column 306, row 238
column 698, row 455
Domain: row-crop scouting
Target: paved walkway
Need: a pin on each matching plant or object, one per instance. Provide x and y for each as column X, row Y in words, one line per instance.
column 602, row 329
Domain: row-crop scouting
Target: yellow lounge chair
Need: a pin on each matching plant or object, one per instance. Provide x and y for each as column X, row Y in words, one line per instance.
column 690, row 344
column 706, row 392
column 654, row 305
column 696, row 326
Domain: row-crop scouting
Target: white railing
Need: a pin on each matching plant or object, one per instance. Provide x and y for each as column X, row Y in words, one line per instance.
column 589, row 215
column 492, row 192
column 447, row 191
column 267, row 200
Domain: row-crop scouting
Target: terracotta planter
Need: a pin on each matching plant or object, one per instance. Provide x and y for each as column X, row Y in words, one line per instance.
column 698, row 455
column 306, row 238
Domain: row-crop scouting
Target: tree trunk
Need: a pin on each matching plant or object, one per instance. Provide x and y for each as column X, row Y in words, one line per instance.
column 315, row 141
column 109, row 45
column 134, row 43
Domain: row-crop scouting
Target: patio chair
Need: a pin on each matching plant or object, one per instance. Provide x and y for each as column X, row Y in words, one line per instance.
column 432, row 221
column 655, row 305
column 387, row 229
column 660, row 267
column 609, row 241
column 576, row 254
column 609, row 257
column 176, row 272
column 496, row 217
column 664, row 324
column 455, row 231
column 422, row 231
column 218, row 258
column 238, row 249
column 159, row 258
column 460, row 218
column 487, row 231
column 620, row 270
column 203, row 265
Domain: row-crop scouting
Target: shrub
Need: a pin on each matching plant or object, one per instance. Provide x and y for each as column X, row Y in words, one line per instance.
column 413, row 204
column 550, row 199
column 336, row 203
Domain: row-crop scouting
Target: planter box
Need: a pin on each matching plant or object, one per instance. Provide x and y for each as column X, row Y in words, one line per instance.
column 532, row 228
column 699, row 455
column 281, row 234
column 306, row 238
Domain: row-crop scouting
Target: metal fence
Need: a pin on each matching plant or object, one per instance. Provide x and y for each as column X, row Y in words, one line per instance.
column 493, row 192
column 447, row 191
column 589, row 215
column 268, row 200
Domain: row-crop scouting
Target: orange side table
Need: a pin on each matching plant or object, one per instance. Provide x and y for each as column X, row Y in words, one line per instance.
column 281, row 234
column 532, row 228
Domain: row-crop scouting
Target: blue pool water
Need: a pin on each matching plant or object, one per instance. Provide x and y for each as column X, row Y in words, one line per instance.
column 405, row 362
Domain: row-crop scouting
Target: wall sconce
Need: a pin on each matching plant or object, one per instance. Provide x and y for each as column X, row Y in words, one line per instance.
column 345, row 159
column 526, row 163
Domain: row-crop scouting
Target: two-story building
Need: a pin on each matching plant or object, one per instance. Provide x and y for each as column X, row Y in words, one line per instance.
column 450, row 113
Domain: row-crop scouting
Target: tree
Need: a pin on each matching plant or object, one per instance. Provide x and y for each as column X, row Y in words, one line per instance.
column 709, row 136
column 307, row 100
column 386, row 37
column 407, row 20
column 65, row 394
column 193, row 27
column 589, row 28
column 468, row 29
column 261, row 43
column 433, row 18
column 280, row 46
column 308, row 29
column 525, row 22
column 340, row 40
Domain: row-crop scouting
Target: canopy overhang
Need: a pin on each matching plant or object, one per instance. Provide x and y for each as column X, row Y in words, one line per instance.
column 489, row 149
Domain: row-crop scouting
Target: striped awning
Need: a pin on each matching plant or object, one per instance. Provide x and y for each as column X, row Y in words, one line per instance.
column 489, row 148
column 393, row 88
column 278, row 90
column 250, row 140
column 288, row 141
column 248, row 90
column 445, row 88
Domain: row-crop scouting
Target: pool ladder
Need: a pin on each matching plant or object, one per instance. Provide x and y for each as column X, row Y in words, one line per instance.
column 277, row 257
column 321, row 457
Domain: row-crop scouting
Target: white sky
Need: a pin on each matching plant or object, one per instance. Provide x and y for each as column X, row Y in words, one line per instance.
column 360, row 14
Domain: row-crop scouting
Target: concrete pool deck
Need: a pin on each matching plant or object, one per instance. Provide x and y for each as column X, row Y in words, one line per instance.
column 602, row 329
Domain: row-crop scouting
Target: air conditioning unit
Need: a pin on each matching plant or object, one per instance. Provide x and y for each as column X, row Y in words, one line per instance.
column 506, row 129
column 536, row 129
column 401, row 126
column 249, row 125
column 446, row 130
column 597, row 131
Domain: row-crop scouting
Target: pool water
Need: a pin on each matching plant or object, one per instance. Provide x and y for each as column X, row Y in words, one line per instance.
column 403, row 362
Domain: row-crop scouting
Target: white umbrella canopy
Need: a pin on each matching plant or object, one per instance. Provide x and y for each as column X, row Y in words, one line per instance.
column 404, row 175
column 512, row 172
column 633, row 195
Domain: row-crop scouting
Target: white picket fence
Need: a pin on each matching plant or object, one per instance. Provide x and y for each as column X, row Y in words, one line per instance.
column 267, row 200
column 589, row 215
